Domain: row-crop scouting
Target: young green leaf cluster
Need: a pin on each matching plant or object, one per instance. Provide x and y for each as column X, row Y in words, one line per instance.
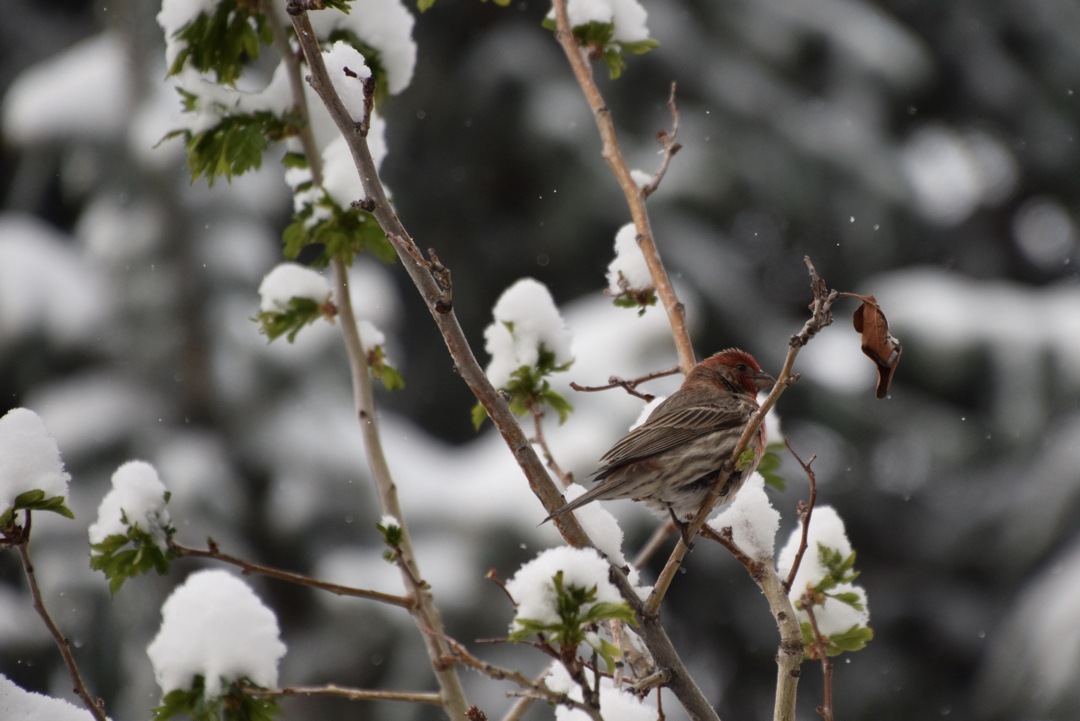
column 301, row 312
column 575, row 622
column 598, row 37
column 224, row 40
column 342, row 235
column 636, row 299
column 529, row 388
column 122, row 557
column 234, row 705
column 235, row 144
column 34, row 500
column 383, row 371
column 839, row 571
column 769, row 464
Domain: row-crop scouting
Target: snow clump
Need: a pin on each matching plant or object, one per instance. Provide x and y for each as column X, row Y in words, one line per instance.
column 526, row 320
column 31, row 459
column 628, row 264
column 752, row 519
column 288, row 281
column 214, row 626
column 137, row 495
column 533, row 588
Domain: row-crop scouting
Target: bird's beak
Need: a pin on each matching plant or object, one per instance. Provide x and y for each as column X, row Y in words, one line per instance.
column 763, row 380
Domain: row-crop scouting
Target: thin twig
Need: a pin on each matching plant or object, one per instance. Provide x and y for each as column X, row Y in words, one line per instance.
column 628, row 385
column 635, row 198
column 821, row 651
column 671, row 146
column 96, row 706
column 425, row 613
column 251, row 567
column 525, row 702
column 352, row 694
column 537, row 415
column 805, row 511
column 724, row 537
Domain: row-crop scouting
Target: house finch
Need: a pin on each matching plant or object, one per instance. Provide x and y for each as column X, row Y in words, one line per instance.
column 671, row 461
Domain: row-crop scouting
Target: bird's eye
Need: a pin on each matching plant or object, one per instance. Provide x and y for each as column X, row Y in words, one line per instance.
column 742, row 368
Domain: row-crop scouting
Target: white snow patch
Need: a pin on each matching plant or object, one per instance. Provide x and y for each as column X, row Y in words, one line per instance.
column 139, row 496
column 347, row 72
column 614, row 703
column 31, row 458
column 527, row 307
column 826, row 529
column 21, row 705
column 602, row 529
column 215, row 626
column 384, row 25
column 752, row 519
column 628, row 17
column 629, row 262
column 291, row 280
column 533, row 590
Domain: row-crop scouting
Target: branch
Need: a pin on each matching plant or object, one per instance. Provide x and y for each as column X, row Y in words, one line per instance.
column 352, row 694
column 671, row 147
column 821, row 650
column 804, row 510
column 564, row 478
column 96, row 706
column 425, row 613
column 821, row 317
column 628, row 386
column 427, row 281
column 790, row 654
column 250, row 567
column 635, row 196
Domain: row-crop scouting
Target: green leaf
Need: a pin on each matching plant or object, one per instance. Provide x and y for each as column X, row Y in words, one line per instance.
column 850, row 598
column 424, row 5
column 119, row 563
column 614, row 61
column 854, row 639
column 381, row 370
column 235, row 145
column 392, row 535
column 294, row 160
column 342, row 5
column 479, row 415
column 610, row 653
column 610, row 611
column 344, row 234
column 766, row 467
column 223, row 41
column 639, row 47
column 300, row 312
column 557, row 403
column 35, row 500
column 234, row 705
column 745, row 459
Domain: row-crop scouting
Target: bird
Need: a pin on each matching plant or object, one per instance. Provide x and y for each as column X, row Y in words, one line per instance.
column 671, row 461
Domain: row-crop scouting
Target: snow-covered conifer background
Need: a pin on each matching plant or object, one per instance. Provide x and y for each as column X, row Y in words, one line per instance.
column 923, row 151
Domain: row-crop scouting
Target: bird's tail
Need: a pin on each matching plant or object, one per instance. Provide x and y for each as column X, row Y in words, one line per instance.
column 587, row 497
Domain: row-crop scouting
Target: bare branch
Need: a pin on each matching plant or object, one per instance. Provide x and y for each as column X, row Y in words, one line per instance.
column 635, row 197
column 564, row 478
column 352, row 694
column 628, row 385
column 21, row 538
column 820, row 648
column 805, row 510
column 251, row 567
column 671, row 146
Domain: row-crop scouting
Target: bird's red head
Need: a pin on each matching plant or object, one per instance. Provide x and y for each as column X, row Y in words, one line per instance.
column 736, row 369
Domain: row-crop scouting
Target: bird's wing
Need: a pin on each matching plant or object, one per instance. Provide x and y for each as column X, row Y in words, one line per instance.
column 667, row 429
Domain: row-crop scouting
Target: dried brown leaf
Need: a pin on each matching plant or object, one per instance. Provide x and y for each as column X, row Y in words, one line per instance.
column 877, row 343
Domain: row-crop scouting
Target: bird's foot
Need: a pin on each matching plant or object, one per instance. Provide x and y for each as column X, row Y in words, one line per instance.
column 684, row 529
